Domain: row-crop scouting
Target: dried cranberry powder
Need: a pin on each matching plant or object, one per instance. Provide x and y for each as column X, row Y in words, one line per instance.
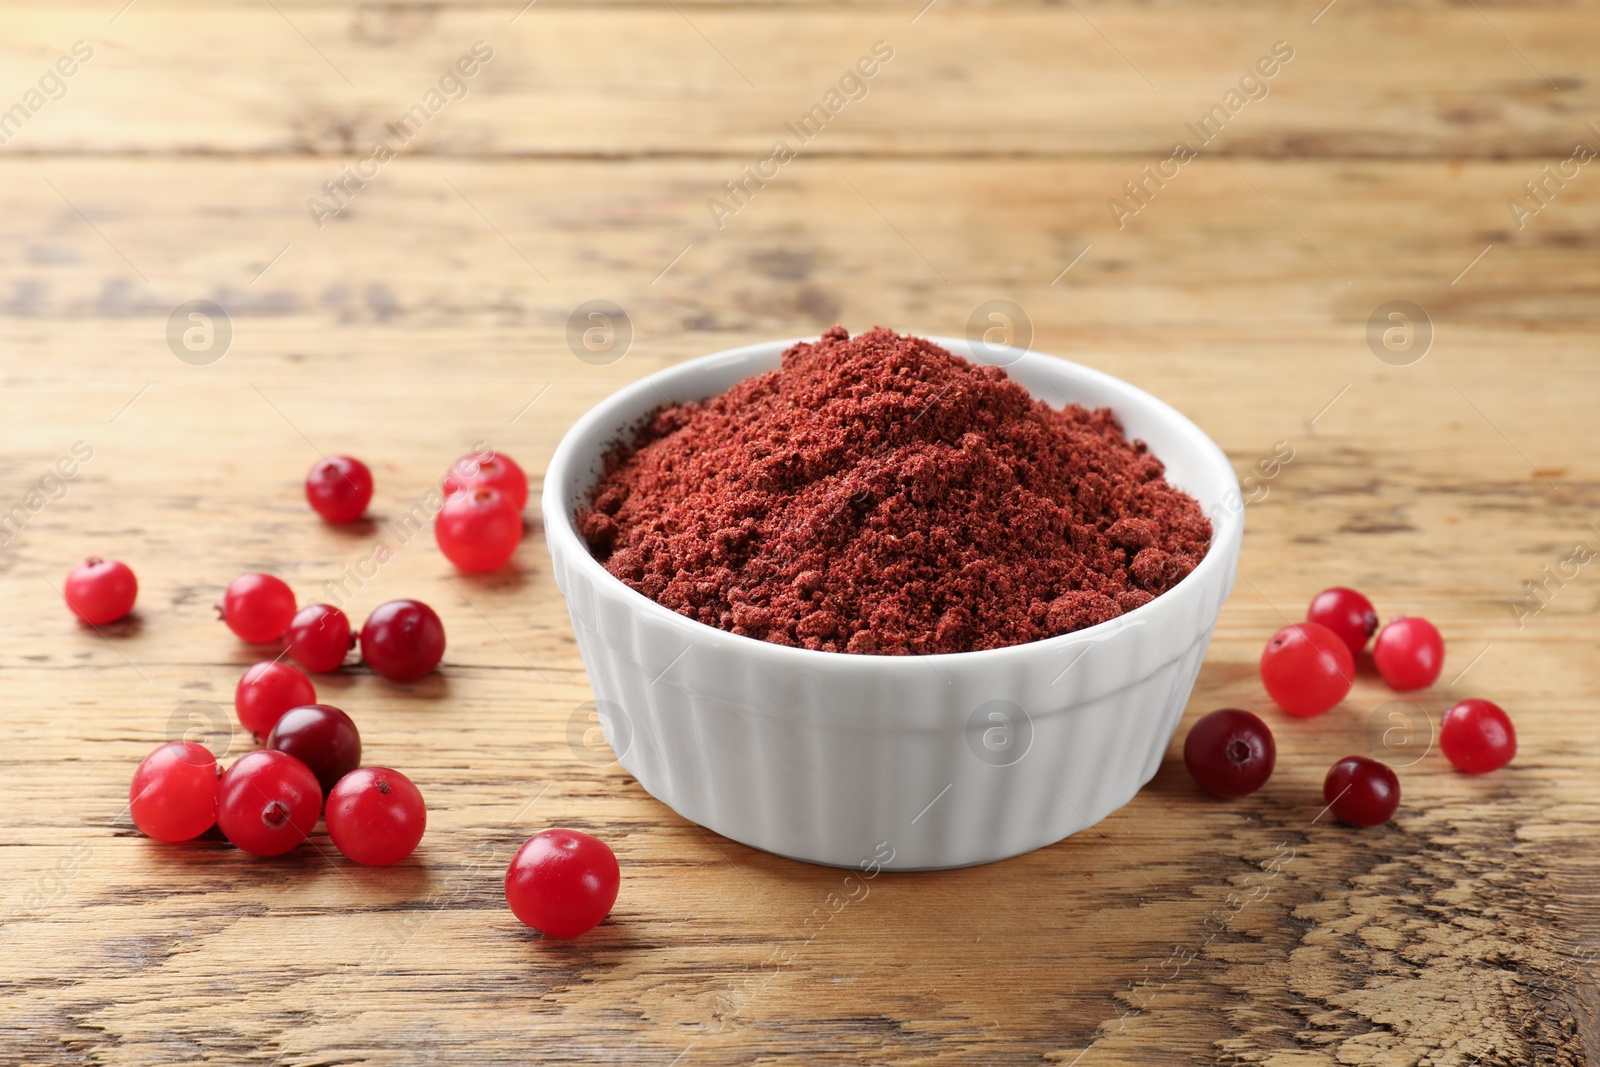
column 881, row 495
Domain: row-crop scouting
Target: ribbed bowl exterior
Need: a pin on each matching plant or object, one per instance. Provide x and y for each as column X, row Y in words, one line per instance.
column 905, row 762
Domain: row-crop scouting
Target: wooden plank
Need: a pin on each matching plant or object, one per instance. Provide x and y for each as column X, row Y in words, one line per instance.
column 518, row 244
column 1366, row 80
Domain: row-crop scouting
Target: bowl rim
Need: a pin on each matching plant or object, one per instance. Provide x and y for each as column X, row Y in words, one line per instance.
column 561, row 532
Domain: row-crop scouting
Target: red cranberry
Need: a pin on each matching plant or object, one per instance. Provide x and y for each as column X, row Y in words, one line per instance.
column 1307, row 669
column 322, row 737
column 562, row 882
column 1409, row 653
column 1230, row 753
column 1347, row 613
column 478, row 529
column 174, row 792
column 376, row 816
column 268, row 802
column 339, row 488
column 402, row 640
column 319, row 637
column 258, row 607
column 1362, row 791
column 100, row 590
column 1477, row 737
column 266, row 691
column 489, row 469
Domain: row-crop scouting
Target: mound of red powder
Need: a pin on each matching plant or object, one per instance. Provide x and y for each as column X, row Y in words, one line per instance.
column 877, row 494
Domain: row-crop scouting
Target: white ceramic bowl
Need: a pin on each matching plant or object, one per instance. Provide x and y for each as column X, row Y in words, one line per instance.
column 907, row 762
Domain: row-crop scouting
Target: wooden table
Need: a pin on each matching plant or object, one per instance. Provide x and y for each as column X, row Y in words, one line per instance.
column 576, row 163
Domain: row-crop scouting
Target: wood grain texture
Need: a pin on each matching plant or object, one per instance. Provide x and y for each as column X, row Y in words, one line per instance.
column 650, row 79
column 432, row 314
